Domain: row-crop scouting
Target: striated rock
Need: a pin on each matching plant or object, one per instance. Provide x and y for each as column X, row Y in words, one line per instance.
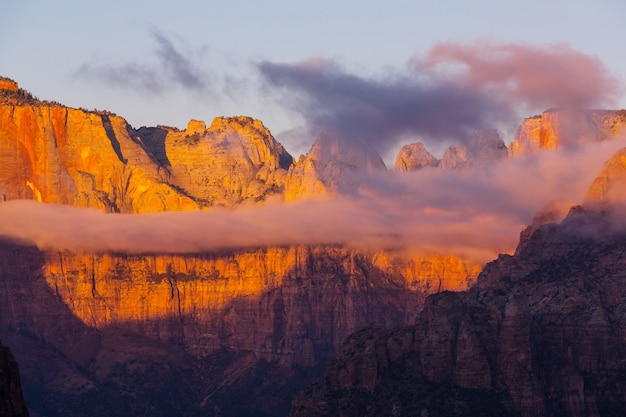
column 60, row 155
column 236, row 300
column 555, row 128
column 413, row 157
column 11, row 400
column 329, row 167
column 104, row 323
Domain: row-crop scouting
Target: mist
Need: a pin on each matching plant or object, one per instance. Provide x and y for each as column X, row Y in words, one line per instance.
column 477, row 214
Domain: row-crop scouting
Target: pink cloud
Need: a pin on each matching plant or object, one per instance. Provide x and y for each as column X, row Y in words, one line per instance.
column 540, row 77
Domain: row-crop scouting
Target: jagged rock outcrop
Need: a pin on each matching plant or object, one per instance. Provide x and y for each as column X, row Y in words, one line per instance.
column 482, row 148
column 235, row 159
column 329, row 167
column 554, row 128
column 413, row 157
column 11, row 399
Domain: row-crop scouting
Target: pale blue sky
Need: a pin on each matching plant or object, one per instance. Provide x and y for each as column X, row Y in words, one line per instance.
column 69, row 51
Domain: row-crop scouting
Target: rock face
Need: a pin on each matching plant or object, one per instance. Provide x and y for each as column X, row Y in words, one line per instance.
column 11, row 400
column 413, row 157
column 293, row 305
column 482, row 148
column 60, row 155
column 540, row 334
column 329, row 166
column 554, row 128
column 236, row 159
column 610, row 186
column 250, row 319
column 202, row 328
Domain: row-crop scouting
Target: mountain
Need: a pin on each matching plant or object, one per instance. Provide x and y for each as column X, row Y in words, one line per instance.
column 329, row 167
column 414, row 156
column 541, row 333
column 232, row 332
column 11, row 399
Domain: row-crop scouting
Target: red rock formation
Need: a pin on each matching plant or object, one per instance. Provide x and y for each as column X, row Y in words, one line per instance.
column 554, row 128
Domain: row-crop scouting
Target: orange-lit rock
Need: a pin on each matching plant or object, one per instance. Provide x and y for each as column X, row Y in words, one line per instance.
column 61, row 155
column 68, row 156
column 553, row 128
column 610, row 186
column 227, row 300
column 234, row 160
column 8, row 85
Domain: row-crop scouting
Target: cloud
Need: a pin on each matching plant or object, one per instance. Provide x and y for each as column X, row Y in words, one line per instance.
column 478, row 214
column 539, row 77
column 449, row 93
column 380, row 111
column 172, row 67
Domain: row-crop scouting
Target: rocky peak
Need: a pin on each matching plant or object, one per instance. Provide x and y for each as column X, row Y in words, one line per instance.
column 413, row 157
column 558, row 127
column 481, row 148
column 235, row 159
column 330, row 165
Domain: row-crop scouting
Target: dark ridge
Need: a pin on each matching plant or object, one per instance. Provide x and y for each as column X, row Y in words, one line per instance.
column 153, row 139
column 106, row 122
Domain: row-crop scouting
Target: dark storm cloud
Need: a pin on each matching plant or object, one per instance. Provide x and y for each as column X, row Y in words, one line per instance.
column 452, row 91
column 379, row 111
column 172, row 67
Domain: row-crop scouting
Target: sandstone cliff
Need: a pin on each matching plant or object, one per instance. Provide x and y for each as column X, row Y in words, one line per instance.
column 554, row 128
column 105, row 323
column 69, row 156
column 11, row 399
column 540, row 334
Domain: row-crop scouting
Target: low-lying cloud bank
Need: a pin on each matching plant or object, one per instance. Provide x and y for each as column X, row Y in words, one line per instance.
column 477, row 214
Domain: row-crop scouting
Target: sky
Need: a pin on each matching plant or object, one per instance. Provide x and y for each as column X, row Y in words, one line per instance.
column 290, row 64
